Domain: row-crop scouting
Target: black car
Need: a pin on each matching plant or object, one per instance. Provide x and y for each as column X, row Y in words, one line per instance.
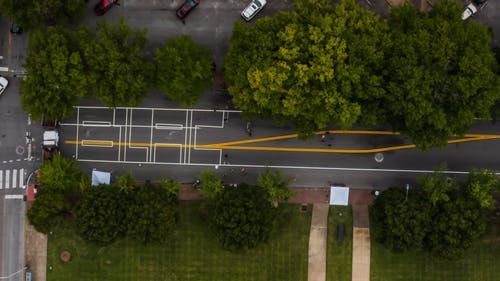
column 187, row 7
column 15, row 29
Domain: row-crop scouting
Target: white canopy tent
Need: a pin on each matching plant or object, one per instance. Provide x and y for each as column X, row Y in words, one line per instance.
column 99, row 177
column 339, row 195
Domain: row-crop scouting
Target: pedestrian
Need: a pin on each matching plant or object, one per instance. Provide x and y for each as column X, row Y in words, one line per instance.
column 323, row 138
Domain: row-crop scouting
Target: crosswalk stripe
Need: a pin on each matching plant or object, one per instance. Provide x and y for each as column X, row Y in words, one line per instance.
column 1, row 179
column 7, row 178
column 21, row 179
column 14, row 178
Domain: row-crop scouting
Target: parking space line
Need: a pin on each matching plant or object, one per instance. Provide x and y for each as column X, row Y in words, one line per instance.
column 166, row 126
column 97, row 143
column 14, row 178
column 119, row 141
column 7, row 179
column 130, row 143
column 186, row 137
column 77, row 131
column 21, row 179
column 96, row 123
column 150, row 155
column 125, row 136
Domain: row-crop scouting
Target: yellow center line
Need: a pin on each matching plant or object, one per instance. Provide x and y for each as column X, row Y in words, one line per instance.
column 234, row 145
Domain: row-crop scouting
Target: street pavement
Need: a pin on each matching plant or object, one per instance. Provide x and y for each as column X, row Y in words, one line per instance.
column 209, row 24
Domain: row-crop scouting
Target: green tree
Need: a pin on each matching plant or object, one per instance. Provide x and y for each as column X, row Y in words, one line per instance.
column 313, row 67
column 56, row 73
column 126, row 183
column 152, row 213
column 400, row 224
column 211, row 185
column 48, row 210
column 276, row 187
column 100, row 214
column 61, row 183
column 118, row 74
column 183, row 70
column 480, row 187
column 242, row 217
column 439, row 73
column 36, row 13
column 62, row 174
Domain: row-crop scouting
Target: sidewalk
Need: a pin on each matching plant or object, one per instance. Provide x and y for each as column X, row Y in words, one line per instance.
column 317, row 243
column 35, row 255
column 360, row 244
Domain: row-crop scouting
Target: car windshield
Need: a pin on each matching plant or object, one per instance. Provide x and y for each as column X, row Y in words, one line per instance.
column 257, row 3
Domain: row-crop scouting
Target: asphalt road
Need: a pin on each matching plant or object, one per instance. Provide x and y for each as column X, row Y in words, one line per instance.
column 178, row 143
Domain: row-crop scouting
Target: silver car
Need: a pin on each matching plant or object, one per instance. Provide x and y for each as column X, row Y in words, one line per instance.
column 3, row 84
column 252, row 9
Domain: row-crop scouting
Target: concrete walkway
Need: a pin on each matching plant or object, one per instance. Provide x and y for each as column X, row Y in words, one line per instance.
column 360, row 244
column 317, row 243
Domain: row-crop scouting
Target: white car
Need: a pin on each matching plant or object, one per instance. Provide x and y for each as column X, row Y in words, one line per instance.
column 469, row 11
column 252, row 9
column 3, row 84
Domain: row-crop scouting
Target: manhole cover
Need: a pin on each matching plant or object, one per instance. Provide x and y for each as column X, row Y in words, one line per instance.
column 379, row 157
column 20, row 150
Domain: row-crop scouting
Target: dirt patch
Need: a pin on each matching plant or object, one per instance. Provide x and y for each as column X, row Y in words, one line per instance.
column 35, row 253
column 65, row 256
column 310, row 195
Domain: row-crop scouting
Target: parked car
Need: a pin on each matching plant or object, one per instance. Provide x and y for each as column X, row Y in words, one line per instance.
column 469, row 11
column 104, row 5
column 3, row 84
column 186, row 8
column 472, row 8
column 252, row 9
column 15, row 29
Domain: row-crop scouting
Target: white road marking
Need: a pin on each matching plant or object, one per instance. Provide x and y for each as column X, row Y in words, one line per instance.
column 14, row 196
column 96, row 124
column 291, row 167
column 130, row 138
column 21, row 178
column 159, row 109
column 77, row 129
column 1, row 179
column 150, row 155
column 165, row 126
column 14, row 178
column 7, row 179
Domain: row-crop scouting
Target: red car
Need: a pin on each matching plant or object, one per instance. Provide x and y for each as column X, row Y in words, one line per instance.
column 187, row 7
column 104, row 5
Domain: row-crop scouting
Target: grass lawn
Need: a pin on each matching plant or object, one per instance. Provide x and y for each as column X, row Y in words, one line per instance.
column 191, row 254
column 339, row 255
column 480, row 263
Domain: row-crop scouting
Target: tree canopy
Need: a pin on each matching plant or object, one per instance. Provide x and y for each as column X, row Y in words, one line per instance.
column 445, row 217
column 152, row 213
column 60, row 185
column 35, row 13
column 428, row 75
column 242, row 217
column 117, row 73
column 440, row 73
column 211, row 185
column 313, row 66
column 184, row 70
column 275, row 185
column 56, row 72
column 100, row 214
